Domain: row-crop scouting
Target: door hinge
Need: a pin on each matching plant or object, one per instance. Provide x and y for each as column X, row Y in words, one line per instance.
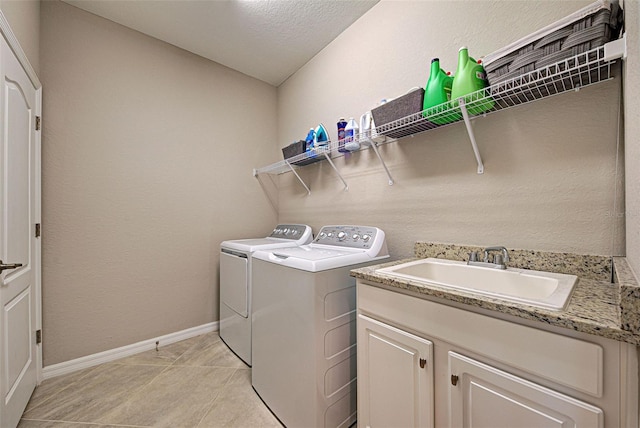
column 454, row 379
column 38, row 230
column 423, row 363
column 38, row 123
column 38, row 337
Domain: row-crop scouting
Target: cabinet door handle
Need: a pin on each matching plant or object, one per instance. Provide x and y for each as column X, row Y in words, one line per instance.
column 454, row 380
column 423, row 363
column 5, row 266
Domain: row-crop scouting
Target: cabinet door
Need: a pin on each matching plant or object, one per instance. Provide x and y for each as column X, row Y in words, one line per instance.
column 395, row 377
column 483, row 396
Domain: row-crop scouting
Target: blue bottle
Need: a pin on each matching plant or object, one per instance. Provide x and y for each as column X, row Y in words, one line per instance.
column 342, row 124
column 311, row 136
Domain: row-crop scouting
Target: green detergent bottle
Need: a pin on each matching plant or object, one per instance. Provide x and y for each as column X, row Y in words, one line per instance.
column 437, row 96
column 471, row 77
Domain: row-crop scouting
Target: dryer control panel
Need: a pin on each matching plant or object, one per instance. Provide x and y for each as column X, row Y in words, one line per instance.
column 348, row 236
column 290, row 231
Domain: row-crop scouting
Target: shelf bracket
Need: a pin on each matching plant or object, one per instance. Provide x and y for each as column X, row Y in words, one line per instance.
column 326, row 155
column 474, row 145
column 297, row 176
column 374, row 146
column 616, row 49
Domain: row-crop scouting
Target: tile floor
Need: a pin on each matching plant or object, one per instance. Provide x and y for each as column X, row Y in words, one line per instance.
column 198, row 382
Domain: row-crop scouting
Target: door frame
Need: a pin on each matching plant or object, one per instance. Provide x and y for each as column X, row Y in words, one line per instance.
column 17, row 50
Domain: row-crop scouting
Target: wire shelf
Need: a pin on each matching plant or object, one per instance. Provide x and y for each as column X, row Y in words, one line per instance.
column 331, row 149
column 568, row 75
column 571, row 74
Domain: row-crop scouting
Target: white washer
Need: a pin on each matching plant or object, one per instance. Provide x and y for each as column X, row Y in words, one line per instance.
column 235, row 282
column 304, row 325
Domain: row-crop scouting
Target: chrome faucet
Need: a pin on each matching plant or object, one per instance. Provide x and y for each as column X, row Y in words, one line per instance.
column 499, row 260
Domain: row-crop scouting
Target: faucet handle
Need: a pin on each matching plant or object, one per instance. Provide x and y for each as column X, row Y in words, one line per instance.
column 505, row 253
column 473, row 256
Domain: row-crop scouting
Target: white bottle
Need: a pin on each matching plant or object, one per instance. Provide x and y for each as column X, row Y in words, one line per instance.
column 350, row 133
column 365, row 128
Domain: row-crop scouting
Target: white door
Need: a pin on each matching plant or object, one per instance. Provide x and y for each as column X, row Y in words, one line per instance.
column 482, row 396
column 395, row 377
column 18, row 209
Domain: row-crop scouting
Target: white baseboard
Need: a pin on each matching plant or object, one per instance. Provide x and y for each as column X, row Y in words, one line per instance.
column 125, row 351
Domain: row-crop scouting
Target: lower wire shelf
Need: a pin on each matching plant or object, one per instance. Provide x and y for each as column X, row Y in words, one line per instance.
column 328, row 152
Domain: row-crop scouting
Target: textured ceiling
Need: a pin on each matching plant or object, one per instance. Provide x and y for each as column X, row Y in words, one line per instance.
column 266, row 39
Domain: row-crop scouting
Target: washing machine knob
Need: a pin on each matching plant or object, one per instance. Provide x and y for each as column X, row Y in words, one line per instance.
column 341, row 236
column 330, row 234
column 355, row 237
column 323, row 235
column 366, row 238
column 295, row 232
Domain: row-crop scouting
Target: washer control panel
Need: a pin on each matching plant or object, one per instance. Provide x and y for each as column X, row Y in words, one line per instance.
column 288, row 231
column 347, row 236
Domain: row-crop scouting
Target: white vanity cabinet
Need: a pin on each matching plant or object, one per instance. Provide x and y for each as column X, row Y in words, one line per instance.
column 484, row 396
column 481, row 370
column 395, row 376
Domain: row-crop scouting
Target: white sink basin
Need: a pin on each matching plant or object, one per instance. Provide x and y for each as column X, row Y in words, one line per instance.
column 542, row 289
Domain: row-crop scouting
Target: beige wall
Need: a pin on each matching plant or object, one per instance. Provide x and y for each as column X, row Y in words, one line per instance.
column 24, row 18
column 632, row 133
column 141, row 137
column 550, row 167
column 147, row 166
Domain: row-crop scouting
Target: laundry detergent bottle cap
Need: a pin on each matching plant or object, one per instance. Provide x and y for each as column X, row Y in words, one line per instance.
column 470, row 77
column 438, row 93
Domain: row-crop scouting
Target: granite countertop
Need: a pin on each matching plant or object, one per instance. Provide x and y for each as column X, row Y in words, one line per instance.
column 598, row 306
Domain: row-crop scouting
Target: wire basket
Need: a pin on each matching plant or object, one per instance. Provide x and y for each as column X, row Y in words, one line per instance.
column 401, row 107
column 580, row 32
column 296, row 153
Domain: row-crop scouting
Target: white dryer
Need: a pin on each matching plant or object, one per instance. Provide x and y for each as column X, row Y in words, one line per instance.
column 236, row 282
column 304, row 325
